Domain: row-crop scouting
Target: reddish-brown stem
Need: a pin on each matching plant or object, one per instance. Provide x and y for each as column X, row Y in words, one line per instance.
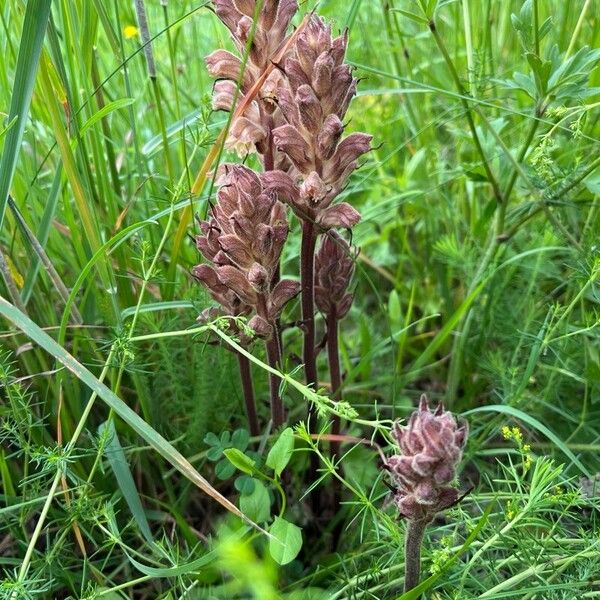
column 246, row 377
column 274, row 360
column 269, row 155
column 307, row 279
column 333, row 356
column 415, row 530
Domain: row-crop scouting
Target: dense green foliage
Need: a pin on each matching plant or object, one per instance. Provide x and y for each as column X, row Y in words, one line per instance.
column 477, row 283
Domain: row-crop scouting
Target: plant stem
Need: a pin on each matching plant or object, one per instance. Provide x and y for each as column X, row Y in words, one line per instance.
column 307, row 277
column 469, row 115
column 577, row 29
column 333, row 356
column 274, row 357
column 536, row 28
column 246, row 377
column 307, row 280
column 469, row 46
column 412, row 553
column 274, row 360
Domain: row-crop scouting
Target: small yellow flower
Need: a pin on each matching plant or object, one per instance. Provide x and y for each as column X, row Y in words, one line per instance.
column 130, row 31
column 506, row 433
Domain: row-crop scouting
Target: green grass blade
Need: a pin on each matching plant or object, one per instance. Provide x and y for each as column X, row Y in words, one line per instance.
column 43, row 233
column 443, row 334
column 30, row 48
column 118, row 463
column 522, row 416
column 145, row 431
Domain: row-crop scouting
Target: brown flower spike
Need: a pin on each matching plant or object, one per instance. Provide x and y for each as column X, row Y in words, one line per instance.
column 334, row 267
column 251, row 131
column 243, row 238
column 432, row 445
column 314, row 97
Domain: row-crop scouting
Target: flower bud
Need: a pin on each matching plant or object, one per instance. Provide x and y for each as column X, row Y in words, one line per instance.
column 334, row 267
column 431, row 445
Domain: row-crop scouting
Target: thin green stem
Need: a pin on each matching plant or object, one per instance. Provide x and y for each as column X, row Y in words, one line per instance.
column 463, row 99
column 580, row 21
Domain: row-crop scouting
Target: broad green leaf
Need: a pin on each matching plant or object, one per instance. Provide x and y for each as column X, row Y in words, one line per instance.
column 286, row 541
column 239, row 460
column 281, row 452
column 257, row 504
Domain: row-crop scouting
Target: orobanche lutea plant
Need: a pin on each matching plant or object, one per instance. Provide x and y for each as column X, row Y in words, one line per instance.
column 296, row 89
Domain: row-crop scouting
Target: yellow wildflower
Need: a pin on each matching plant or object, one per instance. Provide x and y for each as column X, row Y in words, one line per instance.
column 130, row 31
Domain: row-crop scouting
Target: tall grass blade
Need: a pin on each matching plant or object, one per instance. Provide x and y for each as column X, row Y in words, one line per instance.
column 118, row 463
column 145, row 431
column 30, row 48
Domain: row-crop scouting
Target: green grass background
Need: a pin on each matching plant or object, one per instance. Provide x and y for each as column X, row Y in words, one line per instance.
column 477, row 283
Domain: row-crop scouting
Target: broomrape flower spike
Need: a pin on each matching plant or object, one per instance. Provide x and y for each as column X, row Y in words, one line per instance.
column 432, row 444
column 252, row 131
column 334, row 267
column 243, row 238
column 314, row 96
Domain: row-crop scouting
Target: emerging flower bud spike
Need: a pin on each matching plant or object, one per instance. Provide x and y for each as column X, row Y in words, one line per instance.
column 334, row 267
column 432, row 445
column 422, row 476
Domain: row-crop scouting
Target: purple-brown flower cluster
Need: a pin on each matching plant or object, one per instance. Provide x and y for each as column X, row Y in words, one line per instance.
column 314, row 96
column 243, row 238
column 334, row 267
column 431, row 445
column 260, row 34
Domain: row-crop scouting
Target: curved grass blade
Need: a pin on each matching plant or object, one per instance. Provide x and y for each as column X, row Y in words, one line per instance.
column 40, row 253
column 145, row 431
column 106, row 248
column 118, row 463
column 522, row 416
column 43, row 233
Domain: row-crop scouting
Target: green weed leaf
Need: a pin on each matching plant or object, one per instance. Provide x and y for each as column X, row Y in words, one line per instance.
column 239, row 460
column 286, row 541
column 281, row 452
